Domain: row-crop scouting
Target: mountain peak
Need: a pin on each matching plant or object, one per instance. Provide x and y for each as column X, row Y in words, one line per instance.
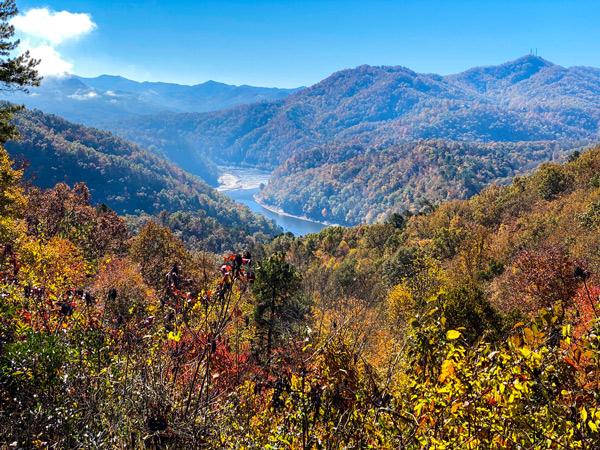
column 112, row 77
column 531, row 58
column 214, row 83
column 527, row 62
column 486, row 78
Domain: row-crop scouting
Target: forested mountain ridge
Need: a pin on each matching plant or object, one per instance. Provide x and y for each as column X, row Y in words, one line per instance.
column 91, row 101
column 524, row 100
column 349, row 184
column 130, row 180
column 199, row 164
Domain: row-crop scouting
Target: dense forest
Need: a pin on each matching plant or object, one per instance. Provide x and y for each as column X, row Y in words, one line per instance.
column 43, row 134
column 528, row 99
column 349, row 185
column 471, row 325
column 132, row 181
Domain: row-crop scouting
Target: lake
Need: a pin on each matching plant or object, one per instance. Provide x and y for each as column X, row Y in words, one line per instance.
column 241, row 184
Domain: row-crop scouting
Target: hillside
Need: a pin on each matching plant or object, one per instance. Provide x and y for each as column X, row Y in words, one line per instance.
column 528, row 99
column 472, row 326
column 350, row 184
column 128, row 179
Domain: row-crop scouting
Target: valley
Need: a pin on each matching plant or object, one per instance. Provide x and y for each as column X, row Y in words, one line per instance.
column 373, row 118
column 364, row 143
column 385, row 259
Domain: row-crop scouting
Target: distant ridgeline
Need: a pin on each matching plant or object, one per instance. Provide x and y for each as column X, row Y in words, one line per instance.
column 131, row 180
column 92, row 101
column 355, row 124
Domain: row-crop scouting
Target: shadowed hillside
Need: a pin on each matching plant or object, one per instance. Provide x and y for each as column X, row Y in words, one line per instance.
column 131, row 180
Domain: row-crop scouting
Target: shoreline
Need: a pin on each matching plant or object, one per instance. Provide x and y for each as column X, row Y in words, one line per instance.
column 231, row 180
column 274, row 209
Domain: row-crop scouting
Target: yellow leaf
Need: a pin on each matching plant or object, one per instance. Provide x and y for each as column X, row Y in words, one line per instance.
column 528, row 335
column 447, row 370
column 174, row 337
column 453, row 334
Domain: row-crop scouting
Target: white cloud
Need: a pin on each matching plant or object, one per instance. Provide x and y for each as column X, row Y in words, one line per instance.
column 53, row 27
column 88, row 96
column 43, row 30
column 52, row 62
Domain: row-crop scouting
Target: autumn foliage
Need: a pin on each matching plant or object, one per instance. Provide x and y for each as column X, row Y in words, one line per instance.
column 365, row 337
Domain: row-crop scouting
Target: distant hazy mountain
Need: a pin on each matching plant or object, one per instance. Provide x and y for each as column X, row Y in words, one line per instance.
column 209, row 96
column 71, row 98
column 524, row 100
column 91, row 101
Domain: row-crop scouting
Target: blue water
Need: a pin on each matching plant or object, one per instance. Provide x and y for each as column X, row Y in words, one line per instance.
column 299, row 227
column 242, row 183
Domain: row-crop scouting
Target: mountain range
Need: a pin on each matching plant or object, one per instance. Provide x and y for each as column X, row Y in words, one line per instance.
column 528, row 99
column 91, row 101
column 435, row 137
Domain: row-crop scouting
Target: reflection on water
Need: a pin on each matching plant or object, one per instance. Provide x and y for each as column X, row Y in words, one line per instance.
column 299, row 227
column 242, row 183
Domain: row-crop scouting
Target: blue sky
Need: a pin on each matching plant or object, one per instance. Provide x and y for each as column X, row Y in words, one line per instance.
column 293, row 43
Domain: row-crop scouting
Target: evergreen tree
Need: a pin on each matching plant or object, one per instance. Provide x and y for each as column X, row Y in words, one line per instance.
column 278, row 305
column 17, row 73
